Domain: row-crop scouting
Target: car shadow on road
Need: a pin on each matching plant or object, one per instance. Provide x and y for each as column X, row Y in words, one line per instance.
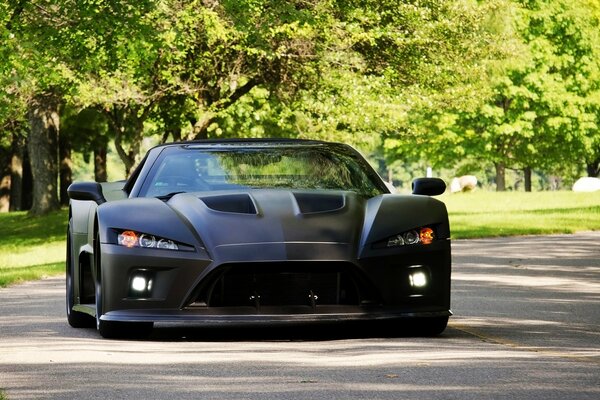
column 289, row 332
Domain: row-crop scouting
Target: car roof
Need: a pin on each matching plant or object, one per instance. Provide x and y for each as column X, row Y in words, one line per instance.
column 244, row 142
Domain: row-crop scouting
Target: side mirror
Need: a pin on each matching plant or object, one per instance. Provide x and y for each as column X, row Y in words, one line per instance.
column 86, row 191
column 428, row 186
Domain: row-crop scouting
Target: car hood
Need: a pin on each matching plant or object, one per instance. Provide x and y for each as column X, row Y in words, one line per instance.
column 274, row 224
column 270, row 224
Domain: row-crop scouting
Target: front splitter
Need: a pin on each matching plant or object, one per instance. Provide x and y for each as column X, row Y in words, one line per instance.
column 182, row 316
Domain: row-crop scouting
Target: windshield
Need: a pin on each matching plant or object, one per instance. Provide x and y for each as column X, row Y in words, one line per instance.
column 194, row 169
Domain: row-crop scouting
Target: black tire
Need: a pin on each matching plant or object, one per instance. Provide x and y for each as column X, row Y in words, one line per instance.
column 114, row 329
column 75, row 318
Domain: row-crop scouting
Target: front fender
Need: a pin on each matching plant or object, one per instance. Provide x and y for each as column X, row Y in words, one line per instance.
column 390, row 214
column 144, row 215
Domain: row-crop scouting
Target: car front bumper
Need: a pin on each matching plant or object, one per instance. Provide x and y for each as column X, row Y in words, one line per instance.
column 179, row 281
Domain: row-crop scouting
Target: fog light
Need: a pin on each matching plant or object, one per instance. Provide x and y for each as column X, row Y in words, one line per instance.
column 418, row 279
column 139, row 284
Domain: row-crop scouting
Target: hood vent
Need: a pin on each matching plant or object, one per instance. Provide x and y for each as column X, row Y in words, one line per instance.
column 231, row 203
column 318, row 202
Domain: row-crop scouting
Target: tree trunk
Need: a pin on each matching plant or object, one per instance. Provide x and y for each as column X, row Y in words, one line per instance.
column 200, row 129
column 66, row 168
column 593, row 168
column 500, row 176
column 100, row 172
column 27, row 183
column 127, row 125
column 4, row 180
column 527, row 173
column 16, row 172
column 43, row 152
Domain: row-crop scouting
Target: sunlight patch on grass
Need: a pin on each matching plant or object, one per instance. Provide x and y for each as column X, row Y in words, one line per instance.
column 489, row 214
column 31, row 248
column 12, row 275
column 26, row 256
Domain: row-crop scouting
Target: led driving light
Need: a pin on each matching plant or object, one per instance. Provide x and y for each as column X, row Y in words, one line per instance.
column 395, row 241
column 166, row 244
column 147, row 241
column 411, row 237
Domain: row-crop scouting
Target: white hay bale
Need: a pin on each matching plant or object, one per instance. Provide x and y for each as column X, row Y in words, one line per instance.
column 586, row 184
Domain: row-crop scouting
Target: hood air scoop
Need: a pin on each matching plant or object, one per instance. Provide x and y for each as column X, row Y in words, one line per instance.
column 242, row 203
column 310, row 203
column 239, row 203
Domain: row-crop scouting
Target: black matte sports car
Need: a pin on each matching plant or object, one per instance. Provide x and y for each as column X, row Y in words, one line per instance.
column 255, row 231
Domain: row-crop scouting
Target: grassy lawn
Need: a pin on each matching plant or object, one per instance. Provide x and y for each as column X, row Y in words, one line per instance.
column 488, row 214
column 31, row 248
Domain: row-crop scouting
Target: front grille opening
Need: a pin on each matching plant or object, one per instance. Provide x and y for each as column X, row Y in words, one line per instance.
column 279, row 285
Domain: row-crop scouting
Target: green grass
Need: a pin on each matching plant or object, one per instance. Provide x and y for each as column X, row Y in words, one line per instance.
column 489, row 214
column 31, row 248
column 2, row 395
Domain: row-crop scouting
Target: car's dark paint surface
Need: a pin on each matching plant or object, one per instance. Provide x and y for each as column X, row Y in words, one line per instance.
column 254, row 255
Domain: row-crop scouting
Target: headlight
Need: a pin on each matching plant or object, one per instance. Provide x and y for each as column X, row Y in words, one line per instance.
column 425, row 235
column 136, row 239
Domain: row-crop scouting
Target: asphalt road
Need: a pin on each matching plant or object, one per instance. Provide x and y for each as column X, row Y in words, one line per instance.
column 526, row 326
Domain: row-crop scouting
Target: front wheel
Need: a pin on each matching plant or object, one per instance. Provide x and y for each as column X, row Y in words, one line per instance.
column 114, row 329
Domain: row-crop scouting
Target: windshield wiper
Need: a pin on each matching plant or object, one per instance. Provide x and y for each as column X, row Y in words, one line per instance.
column 168, row 196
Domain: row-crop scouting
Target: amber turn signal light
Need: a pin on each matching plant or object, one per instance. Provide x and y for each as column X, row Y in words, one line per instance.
column 426, row 235
column 128, row 239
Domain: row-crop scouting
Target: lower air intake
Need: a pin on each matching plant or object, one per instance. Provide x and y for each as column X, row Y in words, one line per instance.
column 282, row 284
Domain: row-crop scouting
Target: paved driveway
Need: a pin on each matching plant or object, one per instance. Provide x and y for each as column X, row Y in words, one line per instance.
column 526, row 325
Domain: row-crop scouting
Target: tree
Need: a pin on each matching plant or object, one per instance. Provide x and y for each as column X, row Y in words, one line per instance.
column 27, row 73
column 42, row 146
column 538, row 108
column 455, row 46
column 378, row 59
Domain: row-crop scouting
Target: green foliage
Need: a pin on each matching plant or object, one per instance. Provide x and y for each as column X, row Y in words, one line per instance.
column 445, row 81
column 537, row 108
